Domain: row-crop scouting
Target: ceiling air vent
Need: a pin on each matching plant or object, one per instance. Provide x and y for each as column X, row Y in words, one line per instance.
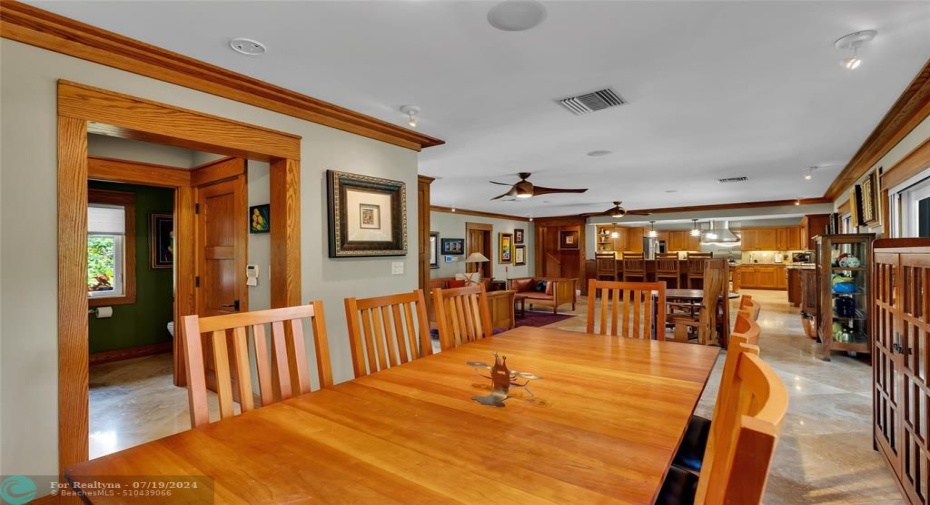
column 732, row 179
column 592, row 102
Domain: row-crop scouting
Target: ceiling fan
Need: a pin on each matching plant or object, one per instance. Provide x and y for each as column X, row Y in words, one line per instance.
column 526, row 189
column 617, row 211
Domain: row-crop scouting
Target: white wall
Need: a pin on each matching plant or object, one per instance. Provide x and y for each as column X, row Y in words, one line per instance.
column 260, row 243
column 28, row 236
column 452, row 225
column 137, row 150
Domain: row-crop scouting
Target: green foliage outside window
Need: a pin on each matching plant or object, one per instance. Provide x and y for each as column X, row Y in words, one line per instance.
column 101, row 262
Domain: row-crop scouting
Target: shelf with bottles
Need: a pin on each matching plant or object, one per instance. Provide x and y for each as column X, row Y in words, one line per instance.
column 843, row 266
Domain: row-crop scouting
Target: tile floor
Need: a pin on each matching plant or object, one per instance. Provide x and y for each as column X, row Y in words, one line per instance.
column 824, row 456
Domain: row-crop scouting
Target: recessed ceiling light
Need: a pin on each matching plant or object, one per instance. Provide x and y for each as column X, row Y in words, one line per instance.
column 671, row 190
column 600, row 152
column 247, row 47
column 516, row 15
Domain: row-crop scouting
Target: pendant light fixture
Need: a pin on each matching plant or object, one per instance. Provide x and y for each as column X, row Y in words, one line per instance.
column 695, row 231
column 652, row 232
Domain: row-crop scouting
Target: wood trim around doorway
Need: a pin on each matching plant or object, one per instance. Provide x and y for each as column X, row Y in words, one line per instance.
column 80, row 106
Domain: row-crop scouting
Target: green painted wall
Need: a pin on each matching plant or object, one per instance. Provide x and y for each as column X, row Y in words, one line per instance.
column 145, row 321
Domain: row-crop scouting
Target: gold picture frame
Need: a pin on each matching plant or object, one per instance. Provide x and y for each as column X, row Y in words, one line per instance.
column 505, row 248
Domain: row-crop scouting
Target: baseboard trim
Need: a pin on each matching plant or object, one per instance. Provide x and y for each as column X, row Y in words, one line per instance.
column 129, row 353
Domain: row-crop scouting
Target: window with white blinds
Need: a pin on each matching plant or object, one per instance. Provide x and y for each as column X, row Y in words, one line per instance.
column 110, row 247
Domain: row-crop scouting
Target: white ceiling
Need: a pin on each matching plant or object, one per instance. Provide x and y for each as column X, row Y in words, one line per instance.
column 715, row 89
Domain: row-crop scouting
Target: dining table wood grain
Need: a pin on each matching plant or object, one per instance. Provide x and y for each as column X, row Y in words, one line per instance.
column 601, row 426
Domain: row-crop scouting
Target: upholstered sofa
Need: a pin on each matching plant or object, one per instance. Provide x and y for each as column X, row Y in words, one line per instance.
column 546, row 291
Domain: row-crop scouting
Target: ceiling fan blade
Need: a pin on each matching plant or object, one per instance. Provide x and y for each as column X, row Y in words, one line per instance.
column 501, row 183
column 512, row 192
column 539, row 190
column 637, row 213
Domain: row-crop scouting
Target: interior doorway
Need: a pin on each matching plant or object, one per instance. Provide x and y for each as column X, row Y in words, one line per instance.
column 479, row 239
column 82, row 110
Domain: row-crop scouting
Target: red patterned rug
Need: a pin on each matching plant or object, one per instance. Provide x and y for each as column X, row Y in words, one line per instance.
column 540, row 318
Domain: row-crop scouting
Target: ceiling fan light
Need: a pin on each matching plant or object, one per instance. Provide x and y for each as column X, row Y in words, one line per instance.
column 523, row 194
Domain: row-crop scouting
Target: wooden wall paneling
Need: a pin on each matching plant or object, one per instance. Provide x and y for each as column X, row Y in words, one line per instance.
column 285, row 232
column 423, row 230
column 73, row 347
column 34, row 26
column 106, row 169
column 912, row 164
column 216, row 171
column 185, row 263
column 136, row 118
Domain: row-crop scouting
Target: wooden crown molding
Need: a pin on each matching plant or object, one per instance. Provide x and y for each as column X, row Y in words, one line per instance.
column 466, row 212
column 911, row 108
column 36, row 27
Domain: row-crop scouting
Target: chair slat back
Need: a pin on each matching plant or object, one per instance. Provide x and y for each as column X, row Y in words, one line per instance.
column 605, row 265
column 756, row 310
column 745, row 301
column 744, row 431
column 747, row 327
column 634, row 309
column 462, row 315
column 637, row 265
column 714, row 289
column 667, row 255
column 281, row 374
column 668, row 266
column 386, row 331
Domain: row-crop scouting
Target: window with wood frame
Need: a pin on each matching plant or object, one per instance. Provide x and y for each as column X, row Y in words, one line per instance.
column 111, row 247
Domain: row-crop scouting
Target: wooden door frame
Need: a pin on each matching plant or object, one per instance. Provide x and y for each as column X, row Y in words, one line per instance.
column 488, row 231
column 84, row 109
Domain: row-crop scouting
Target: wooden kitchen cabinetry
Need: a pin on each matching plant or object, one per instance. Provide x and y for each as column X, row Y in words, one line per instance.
column 756, row 276
column 771, row 239
column 843, row 264
column 811, row 226
column 630, row 239
column 900, row 362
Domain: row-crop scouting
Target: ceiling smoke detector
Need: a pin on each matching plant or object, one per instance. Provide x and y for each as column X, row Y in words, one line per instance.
column 247, row 47
column 516, row 15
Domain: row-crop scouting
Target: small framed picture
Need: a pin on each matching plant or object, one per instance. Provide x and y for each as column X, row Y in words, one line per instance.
column 519, row 255
column 260, row 219
column 568, row 240
column 505, row 248
column 369, row 216
column 453, row 246
column 161, row 240
column 518, row 236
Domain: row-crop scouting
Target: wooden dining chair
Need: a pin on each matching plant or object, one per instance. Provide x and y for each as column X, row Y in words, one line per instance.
column 281, row 374
column 742, row 439
column 704, row 326
column 669, row 270
column 605, row 266
column 634, row 269
column 386, row 331
column 462, row 315
column 690, row 454
column 634, row 309
column 747, row 327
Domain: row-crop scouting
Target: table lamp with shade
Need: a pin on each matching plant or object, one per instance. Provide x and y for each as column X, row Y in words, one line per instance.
column 473, row 277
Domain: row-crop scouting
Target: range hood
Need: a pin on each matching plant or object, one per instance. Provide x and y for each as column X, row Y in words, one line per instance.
column 720, row 235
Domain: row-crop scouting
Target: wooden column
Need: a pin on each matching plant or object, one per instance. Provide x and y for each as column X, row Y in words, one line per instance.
column 423, row 229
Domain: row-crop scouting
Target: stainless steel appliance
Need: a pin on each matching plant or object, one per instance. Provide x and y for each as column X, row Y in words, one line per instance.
column 801, row 257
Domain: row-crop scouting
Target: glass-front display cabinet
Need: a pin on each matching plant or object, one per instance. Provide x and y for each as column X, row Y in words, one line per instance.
column 843, row 264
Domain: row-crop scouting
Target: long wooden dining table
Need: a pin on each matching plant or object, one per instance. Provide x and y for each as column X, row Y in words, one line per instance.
column 601, row 425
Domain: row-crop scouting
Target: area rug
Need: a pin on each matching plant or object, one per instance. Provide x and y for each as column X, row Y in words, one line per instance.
column 540, row 318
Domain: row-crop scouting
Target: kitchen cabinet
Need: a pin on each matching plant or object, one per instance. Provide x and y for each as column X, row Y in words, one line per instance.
column 634, row 239
column 606, row 242
column 900, row 361
column 811, row 226
column 843, row 263
column 756, row 276
column 795, row 292
column 793, row 240
column 771, row 239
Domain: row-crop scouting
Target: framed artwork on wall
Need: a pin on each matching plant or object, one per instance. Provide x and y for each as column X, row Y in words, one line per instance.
column 367, row 215
column 453, row 246
column 260, row 218
column 870, row 215
column 161, row 240
column 505, row 248
column 519, row 255
column 568, row 240
column 518, row 236
column 434, row 249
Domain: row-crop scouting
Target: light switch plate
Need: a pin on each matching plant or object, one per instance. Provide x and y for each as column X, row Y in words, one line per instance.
column 397, row 268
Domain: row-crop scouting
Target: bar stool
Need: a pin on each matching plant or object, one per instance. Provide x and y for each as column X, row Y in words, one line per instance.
column 634, row 269
column 605, row 267
column 669, row 270
column 696, row 269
